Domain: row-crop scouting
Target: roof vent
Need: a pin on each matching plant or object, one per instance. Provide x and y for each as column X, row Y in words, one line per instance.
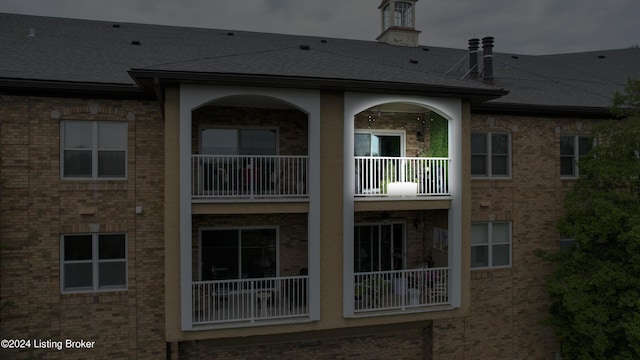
column 601, row 56
column 135, row 42
column 323, row 41
column 473, row 58
column 305, row 47
column 230, row 33
column 413, row 61
column 487, row 55
column 32, row 32
column 115, row 25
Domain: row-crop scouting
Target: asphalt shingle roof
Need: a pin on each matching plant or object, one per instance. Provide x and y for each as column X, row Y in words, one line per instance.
column 84, row 51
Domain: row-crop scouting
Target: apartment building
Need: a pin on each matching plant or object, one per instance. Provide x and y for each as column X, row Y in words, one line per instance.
column 185, row 193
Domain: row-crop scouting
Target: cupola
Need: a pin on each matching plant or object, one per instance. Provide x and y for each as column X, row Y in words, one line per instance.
column 398, row 22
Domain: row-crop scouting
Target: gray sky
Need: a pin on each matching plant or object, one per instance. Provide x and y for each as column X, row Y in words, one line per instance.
column 519, row 26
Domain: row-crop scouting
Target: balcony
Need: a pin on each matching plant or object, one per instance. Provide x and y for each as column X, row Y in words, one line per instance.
column 401, row 176
column 401, row 290
column 217, row 177
column 249, row 300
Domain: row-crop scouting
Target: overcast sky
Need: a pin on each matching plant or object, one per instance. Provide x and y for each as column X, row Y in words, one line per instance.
column 519, row 26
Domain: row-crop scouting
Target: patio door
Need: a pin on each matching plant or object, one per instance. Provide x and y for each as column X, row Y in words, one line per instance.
column 372, row 143
column 248, row 165
column 379, row 247
column 247, row 253
column 369, row 145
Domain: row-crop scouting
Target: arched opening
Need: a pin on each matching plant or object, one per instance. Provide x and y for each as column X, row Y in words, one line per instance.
column 249, row 146
column 401, row 149
column 399, row 256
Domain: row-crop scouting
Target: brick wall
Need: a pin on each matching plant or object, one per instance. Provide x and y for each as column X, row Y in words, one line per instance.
column 292, row 125
column 37, row 207
column 408, row 344
column 509, row 304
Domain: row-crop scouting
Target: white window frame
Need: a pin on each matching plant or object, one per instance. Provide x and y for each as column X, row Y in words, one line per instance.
column 239, row 229
column 491, row 242
column 95, row 261
column 95, row 150
column 489, row 156
column 403, row 14
column 575, row 156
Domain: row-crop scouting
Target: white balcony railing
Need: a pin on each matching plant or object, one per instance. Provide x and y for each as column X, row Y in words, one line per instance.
column 249, row 300
column 376, row 176
column 401, row 289
column 237, row 176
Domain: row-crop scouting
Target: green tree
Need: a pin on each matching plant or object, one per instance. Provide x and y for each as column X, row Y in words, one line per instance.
column 595, row 286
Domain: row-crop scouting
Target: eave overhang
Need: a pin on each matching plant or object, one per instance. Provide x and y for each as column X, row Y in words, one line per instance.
column 593, row 112
column 149, row 80
column 71, row 88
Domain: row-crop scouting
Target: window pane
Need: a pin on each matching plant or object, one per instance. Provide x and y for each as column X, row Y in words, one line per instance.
column 479, row 256
column 478, row 143
column 479, row 234
column 258, row 142
column 362, row 145
column 258, row 253
column 112, row 136
column 78, row 275
column 78, row 135
column 499, row 144
column 500, row 233
column 500, row 255
column 499, row 165
column 220, row 254
column 566, row 166
column 112, row 247
column 112, row 273
column 478, row 165
column 77, row 163
column 219, row 141
column 567, row 145
column 77, row 247
column 112, row 164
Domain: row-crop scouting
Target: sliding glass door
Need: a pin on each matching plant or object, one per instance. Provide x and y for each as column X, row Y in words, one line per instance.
column 247, row 253
column 378, row 247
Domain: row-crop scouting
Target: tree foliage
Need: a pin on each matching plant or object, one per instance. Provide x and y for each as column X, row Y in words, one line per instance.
column 595, row 286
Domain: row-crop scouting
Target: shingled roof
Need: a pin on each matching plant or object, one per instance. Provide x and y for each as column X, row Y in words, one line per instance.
column 120, row 55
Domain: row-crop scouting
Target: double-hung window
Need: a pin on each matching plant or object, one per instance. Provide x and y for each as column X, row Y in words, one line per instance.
column 94, row 149
column 93, row 262
column 490, row 244
column 572, row 148
column 490, row 154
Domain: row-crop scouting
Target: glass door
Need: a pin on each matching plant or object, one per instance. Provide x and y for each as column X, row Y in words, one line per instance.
column 379, row 247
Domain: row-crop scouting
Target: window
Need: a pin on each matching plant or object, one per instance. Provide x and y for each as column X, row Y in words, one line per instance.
column 246, row 253
column 239, row 141
column 403, row 15
column 94, row 262
column 94, row 149
column 490, row 244
column 572, row 148
column 490, row 154
column 378, row 247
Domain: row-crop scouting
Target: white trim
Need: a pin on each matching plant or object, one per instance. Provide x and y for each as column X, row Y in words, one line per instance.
column 95, row 264
column 193, row 96
column 95, row 150
column 450, row 109
column 489, row 155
